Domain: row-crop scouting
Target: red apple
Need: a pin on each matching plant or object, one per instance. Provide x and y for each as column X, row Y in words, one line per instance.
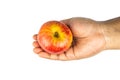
column 54, row 37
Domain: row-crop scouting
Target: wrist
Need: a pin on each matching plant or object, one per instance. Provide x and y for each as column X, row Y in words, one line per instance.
column 111, row 32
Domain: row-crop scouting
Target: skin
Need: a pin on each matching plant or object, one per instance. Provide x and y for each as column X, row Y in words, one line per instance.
column 89, row 38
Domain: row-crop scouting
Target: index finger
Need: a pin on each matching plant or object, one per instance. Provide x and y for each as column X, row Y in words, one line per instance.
column 35, row 36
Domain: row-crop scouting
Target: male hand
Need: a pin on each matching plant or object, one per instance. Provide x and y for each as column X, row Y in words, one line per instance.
column 88, row 40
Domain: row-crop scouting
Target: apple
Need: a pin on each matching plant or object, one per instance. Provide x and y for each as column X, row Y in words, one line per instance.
column 54, row 37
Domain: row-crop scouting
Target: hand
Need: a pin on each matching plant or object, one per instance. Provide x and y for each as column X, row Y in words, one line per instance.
column 88, row 40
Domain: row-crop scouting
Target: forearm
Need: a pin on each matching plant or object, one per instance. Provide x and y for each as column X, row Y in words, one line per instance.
column 111, row 31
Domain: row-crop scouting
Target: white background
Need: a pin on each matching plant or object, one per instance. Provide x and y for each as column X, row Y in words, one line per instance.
column 20, row 19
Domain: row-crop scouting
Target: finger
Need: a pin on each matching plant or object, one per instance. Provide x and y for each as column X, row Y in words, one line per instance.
column 35, row 36
column 62, row 57
column 70, row 54
column 44, row 55
column 36, row 44
column 66, row 21
column 37, row 50
column 54, row 56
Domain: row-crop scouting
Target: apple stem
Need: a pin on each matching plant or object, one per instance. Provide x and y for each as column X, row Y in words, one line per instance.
column 56, row 34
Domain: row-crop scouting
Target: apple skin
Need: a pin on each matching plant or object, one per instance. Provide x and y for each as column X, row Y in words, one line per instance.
column 54, row 37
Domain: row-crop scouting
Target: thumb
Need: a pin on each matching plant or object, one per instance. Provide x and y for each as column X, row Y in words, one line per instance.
column 66, row 21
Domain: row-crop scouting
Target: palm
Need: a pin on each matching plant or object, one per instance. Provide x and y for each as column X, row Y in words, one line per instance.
column 87, row 40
